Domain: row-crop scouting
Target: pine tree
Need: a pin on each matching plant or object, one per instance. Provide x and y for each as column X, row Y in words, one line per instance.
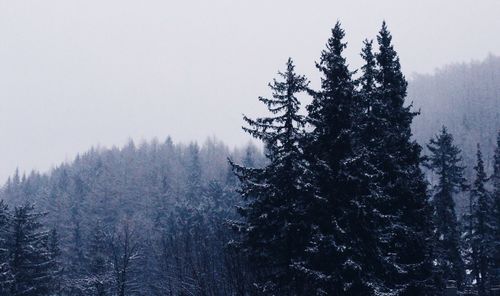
column 29, row 257
column 445, row 161
column 367, row 218
column 333, row 264
column 370, row 121
column 275, row 228
column 408, row 233
column 482, row 232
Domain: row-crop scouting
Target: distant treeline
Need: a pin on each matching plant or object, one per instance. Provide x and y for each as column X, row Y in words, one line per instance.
column 466, row 99
column 337, row 203
column 147, row 220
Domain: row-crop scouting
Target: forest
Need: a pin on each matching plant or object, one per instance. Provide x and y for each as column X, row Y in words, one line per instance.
column 378, row 186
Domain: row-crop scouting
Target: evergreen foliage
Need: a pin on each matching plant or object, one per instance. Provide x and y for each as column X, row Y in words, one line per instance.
column 481, row 233
column 445, row 161
column 409, row 231
column 340, row 254
column 275, row 229
column 29, row 257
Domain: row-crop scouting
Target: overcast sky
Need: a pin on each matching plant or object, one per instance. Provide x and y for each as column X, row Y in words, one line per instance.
column 75, row 73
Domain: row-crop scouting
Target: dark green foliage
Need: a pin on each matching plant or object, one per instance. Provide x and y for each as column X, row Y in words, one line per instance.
column 480, row 236
column 370, row 228
column 408, row 231
column 275, row 230
column 369, row 222
column 445, row 161
column 337, row 249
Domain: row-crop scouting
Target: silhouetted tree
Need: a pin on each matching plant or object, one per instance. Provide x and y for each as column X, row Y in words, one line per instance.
column 275, row 227
column 446, row 162
column 481, row 234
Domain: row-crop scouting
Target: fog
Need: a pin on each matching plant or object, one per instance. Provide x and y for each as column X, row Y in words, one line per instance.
column 74, row 74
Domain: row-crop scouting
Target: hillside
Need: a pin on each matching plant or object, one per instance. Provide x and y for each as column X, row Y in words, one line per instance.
column 466, row 99
column 159, row 197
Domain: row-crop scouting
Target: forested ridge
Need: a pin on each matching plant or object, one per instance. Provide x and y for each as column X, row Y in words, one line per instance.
column 352, row 197
column 463, row 97
column 147, row 219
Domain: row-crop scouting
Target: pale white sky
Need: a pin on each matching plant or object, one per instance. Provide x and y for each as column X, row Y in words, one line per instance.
column 79, row 73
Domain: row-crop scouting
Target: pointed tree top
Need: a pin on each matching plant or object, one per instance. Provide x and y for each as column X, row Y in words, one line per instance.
column 335, row 44
column 480, row 163
column 332, row 63
column 384, row 39
column 385, row 34
column 368, row 70
column 368, row 45
column 289, row 65
column 367, row 53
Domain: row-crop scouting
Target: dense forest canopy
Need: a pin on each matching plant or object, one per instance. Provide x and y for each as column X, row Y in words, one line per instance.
column 149, row 196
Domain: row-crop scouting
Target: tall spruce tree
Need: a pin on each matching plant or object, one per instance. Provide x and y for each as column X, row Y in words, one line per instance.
column 275, row 227
column 29, row 256
column 408, row 233
column 333, row 264
column 482, row 229
column 445, row 161
column 368, row 248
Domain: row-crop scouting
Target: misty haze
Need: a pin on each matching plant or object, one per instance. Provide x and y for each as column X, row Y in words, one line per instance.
column 249, row 148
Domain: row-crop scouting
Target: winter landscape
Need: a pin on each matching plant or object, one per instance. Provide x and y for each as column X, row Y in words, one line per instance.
column 129, row 168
